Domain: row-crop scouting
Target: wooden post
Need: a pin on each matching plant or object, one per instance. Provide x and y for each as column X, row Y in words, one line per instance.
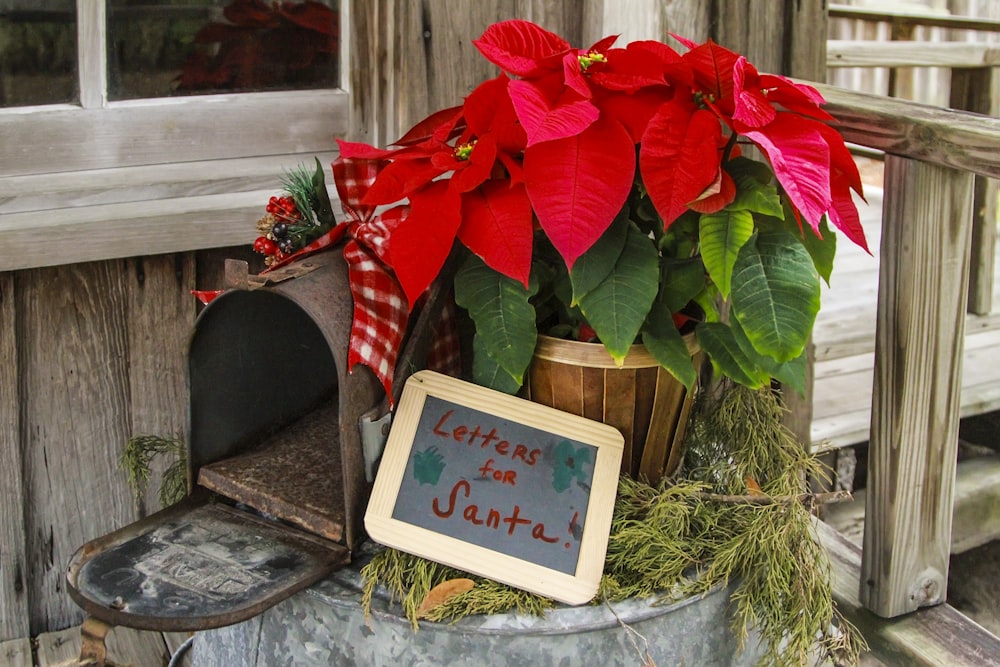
column 975, row 90
column 923, row 285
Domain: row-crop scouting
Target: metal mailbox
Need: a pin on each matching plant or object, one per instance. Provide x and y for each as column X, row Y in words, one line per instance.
column 277, row 472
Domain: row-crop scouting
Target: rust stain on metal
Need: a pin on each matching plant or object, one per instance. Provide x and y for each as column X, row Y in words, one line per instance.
column 93, row 651
column 295, row 475
column 288, row 272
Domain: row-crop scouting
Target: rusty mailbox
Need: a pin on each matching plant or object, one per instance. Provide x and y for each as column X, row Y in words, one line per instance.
column 278, row 471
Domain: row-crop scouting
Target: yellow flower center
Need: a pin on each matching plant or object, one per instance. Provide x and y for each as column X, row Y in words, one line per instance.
column 591, row 58
column 463, row 151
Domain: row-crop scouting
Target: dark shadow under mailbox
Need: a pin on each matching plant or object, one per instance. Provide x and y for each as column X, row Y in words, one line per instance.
column 277, row 467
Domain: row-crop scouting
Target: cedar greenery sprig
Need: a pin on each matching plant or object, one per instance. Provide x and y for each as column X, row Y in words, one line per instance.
column 409, row 579
column 136, row 460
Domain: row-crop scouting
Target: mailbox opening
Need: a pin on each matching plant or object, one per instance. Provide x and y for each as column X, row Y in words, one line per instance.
column 276, row 468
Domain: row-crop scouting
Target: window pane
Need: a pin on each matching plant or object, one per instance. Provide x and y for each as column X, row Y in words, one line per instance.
column 37, row 52
column 158, row 48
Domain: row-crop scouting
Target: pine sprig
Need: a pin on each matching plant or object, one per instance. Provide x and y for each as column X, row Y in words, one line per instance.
column 297, row 183
column 307, row 188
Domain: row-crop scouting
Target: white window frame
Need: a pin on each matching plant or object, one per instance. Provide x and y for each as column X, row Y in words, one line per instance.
column 103, row 179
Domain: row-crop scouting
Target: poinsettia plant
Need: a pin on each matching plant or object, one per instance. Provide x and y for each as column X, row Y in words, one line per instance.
column 609, row 191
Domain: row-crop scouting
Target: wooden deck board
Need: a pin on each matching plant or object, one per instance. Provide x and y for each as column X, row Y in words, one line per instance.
column 15, row 653
column 125, row 647
column 844, row 340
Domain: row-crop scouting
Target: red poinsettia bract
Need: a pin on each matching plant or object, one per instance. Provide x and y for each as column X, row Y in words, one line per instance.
column 561, row 135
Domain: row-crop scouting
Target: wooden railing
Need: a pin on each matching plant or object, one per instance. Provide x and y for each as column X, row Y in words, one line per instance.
column 932, row 159
column 975, row 86
column 937, row 253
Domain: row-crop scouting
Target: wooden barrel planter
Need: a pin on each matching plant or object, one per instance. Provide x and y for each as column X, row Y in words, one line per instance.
column 640, row 398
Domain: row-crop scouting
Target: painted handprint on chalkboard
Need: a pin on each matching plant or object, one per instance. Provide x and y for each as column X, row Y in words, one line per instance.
column 569, row 465
column 428, row 466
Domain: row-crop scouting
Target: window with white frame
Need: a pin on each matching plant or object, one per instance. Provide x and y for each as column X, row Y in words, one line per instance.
column 135, row 119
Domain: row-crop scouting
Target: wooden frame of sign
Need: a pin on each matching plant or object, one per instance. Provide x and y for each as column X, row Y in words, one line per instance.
column 497, row 486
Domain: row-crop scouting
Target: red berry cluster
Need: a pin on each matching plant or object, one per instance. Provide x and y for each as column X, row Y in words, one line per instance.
column 279, row 242
column 283, row 208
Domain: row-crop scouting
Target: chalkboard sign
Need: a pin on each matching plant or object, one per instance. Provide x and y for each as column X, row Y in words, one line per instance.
column 497, row 486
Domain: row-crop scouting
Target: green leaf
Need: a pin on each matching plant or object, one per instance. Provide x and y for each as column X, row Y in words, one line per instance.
column 681, row 281
column 618, row 306
column 791, row 373
column 719, row 343
column 504, row 318
column 776, row 294
column 593, row 266
column 722, row 236
column 487, row 372
column 668, row 347
column 755, row 189
column 320, row 198
column 822, row 250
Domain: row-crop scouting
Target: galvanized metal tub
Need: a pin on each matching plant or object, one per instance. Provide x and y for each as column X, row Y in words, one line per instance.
column 325, row 625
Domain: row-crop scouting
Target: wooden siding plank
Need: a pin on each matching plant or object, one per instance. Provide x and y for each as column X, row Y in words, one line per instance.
column 13, row 562
column 563, row 18
column 755, row 29
column 93, row 233
column 73, row 342
column 688, row 18
column 923, row 286
column 369, row 78
column 632, row 19
column 135, row 211
column 62, row 190
column 160, row 312
column 60, row 646
column 436, row 65
column 183, row 129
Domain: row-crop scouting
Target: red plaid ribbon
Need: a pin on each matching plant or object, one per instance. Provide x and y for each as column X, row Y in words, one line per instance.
column 380, row 309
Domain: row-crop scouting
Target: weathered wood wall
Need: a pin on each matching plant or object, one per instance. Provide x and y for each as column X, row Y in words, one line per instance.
column 92, row 353
column 415, row 57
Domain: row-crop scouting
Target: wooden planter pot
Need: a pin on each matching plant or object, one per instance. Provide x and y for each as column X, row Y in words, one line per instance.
column 640, row 398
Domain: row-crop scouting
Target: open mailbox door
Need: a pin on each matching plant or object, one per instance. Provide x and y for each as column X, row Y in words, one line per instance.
column 276, row 465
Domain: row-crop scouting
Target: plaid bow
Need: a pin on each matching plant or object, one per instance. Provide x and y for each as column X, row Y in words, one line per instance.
column 380, row 309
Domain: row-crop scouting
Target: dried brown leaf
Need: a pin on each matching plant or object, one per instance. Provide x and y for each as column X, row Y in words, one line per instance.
column 442, row 593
